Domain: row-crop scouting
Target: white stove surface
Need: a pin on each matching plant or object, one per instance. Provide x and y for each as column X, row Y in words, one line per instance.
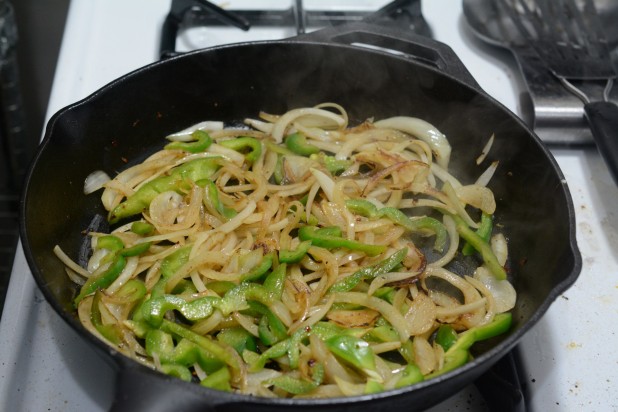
column 570, row 356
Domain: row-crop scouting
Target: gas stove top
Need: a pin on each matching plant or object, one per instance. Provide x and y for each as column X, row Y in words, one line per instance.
column 566, row 361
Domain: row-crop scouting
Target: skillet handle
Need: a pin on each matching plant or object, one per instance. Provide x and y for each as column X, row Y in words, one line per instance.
column 603, row 120
column 419, row 48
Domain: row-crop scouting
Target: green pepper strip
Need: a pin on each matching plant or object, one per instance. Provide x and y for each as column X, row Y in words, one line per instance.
column 110, row 242
column 297, row 386
column 290, row 346
column 130, row 292
column 141, row 228
column 218, row 380
column 136, row 249
column 214, row 348
column 331, row 163
column 297, row 143
column 260, row 270
column 238, row 338
column 201, row 142
column 367, row 209
column 169, row 266
column 411, row 374
column 154, row 309
column 177, row 371
column 236, row 298
column 275, row 281
column 296, row 255
column 109, row 332
column 458, row 354
column 369, row 272
column 326, row 330
column 221, row 287
column 330, row 242
column 194, row 170
column 186, row 353
column 270, row 328
column 103, row 280
column 484, row 231
column 242, row 144
column 386, row 333
column 212, row 196
column 481, row 246
column 373, row 386
column 278, row 172
column 446, row 336
column 277, row 148
column 355, row 352
column 386, row 293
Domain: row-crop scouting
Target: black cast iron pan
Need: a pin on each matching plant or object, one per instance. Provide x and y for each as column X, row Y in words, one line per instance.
column 128, row 119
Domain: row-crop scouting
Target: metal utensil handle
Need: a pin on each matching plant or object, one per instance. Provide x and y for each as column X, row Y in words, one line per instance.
column 405, row 42
column 603, row 120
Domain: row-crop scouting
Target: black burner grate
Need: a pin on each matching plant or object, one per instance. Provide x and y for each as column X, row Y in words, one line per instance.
column 404, row 14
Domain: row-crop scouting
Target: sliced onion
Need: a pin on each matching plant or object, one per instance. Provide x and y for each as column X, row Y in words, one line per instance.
column 485, row 150
column 95, row 181
column 260, row 125
column 64, row 258
column 477, row 196
column 424, row 355
column 326, row 118
column 485, row 177
column 326, row 183
column 503, row 292
column 165, row 208
column 500, row 248
column 423, row 130
column 421, row 315
column 185, row 135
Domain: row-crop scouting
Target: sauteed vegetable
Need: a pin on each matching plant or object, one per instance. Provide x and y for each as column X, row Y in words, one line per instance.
column 297, row 257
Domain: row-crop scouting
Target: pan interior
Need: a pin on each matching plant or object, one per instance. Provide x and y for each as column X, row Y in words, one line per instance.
column 127, row 120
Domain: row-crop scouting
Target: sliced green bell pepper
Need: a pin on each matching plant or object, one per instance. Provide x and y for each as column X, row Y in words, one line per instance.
column 484, row 231
column 260, row 270
column 446, row 336
column 142, row 228
column 270, row 328
column 275, row 281
column 186, row 353
column 296, row 255
column 201, row 142
column 355, row 352
column 155, row 308
column 369, row 272
column 238, row 338
column 212, row 197
column 331, row 163
column 110, row 242
column 481, row 246
column 194, row 170
column 252, row 148
column 218, row 380
column 103, row 280
column 217, row 350
column 367, row 209
column 410, row 375
column 329, row 241
column 297, row 143
column 458, row 354
column 109, row 332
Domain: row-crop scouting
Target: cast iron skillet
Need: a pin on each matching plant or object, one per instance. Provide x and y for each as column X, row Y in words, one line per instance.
column 127, row 120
